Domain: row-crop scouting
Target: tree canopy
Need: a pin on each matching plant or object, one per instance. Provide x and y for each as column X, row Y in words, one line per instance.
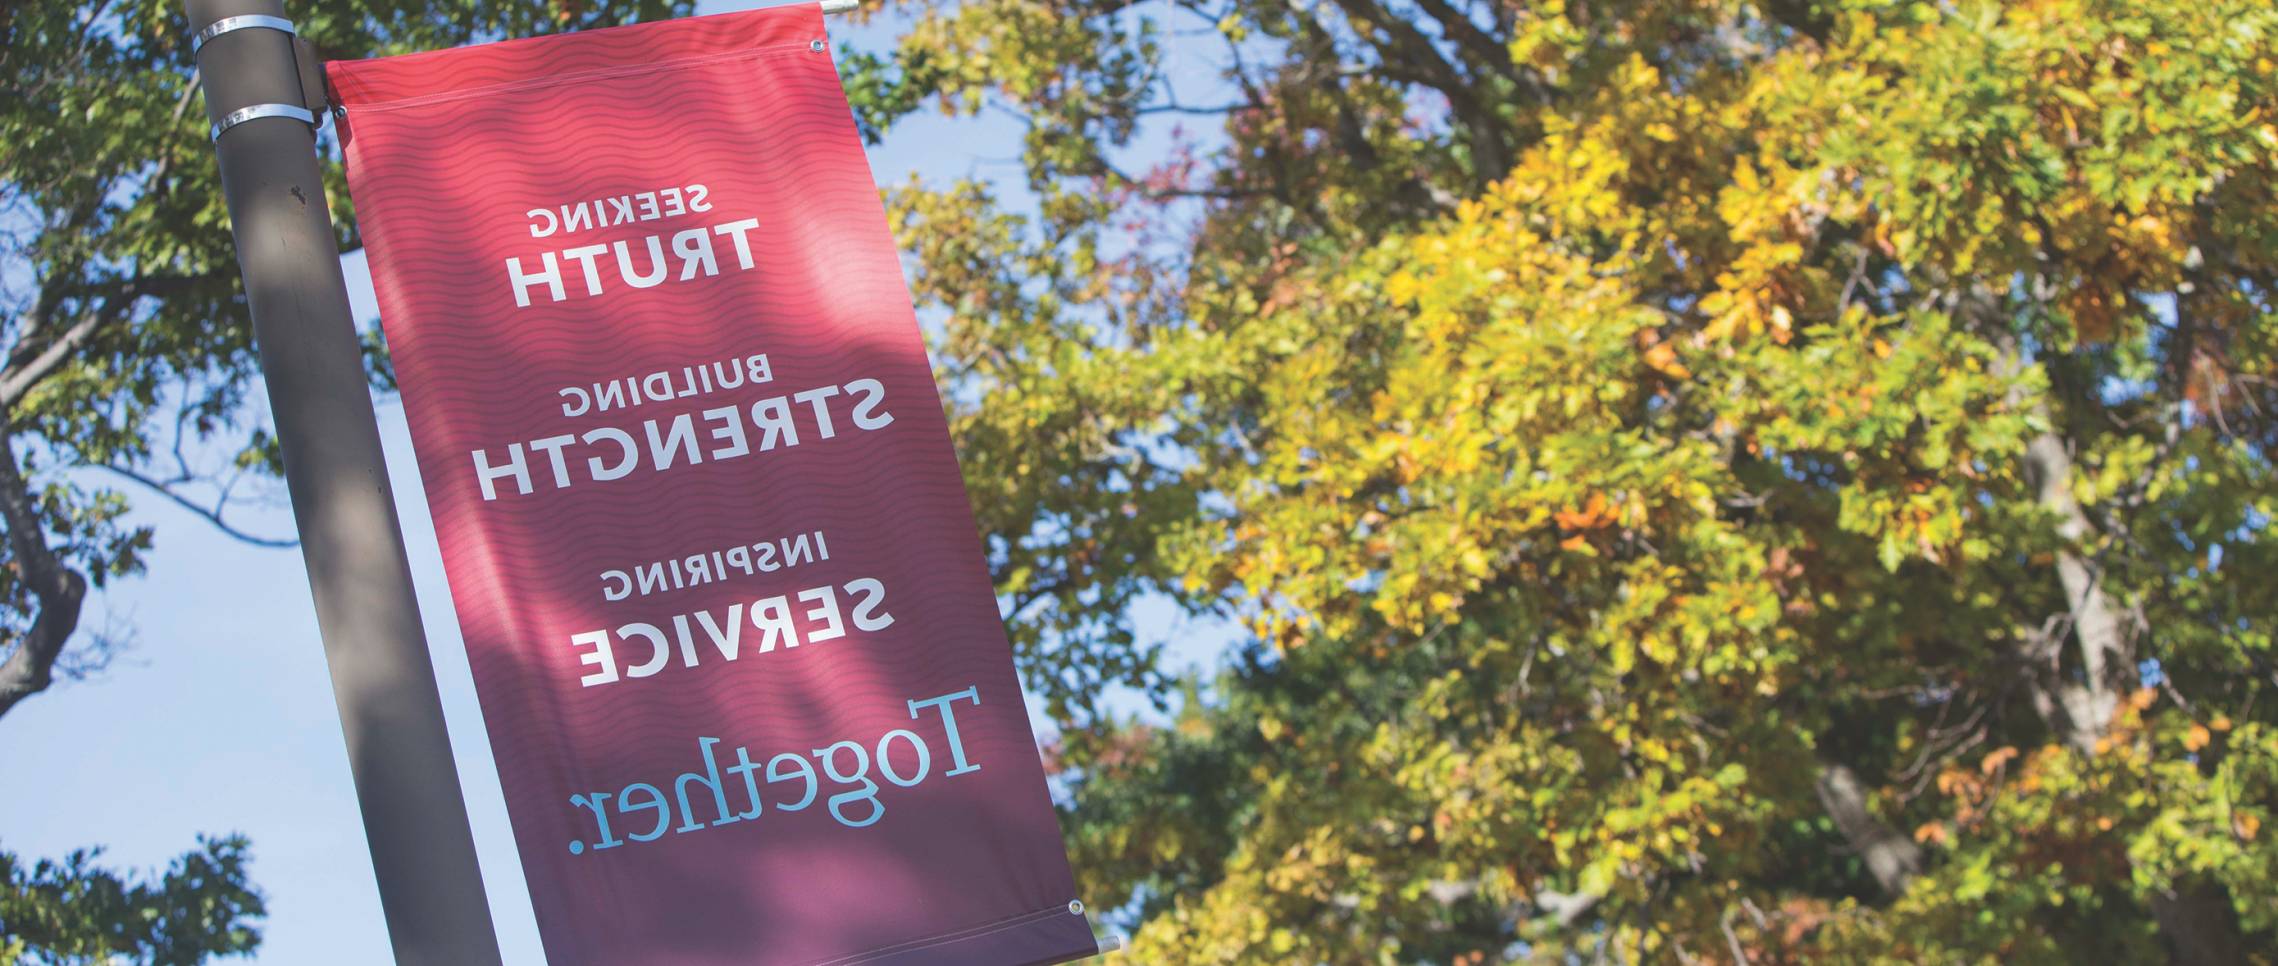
column 1705, row 481
column 124, row 342
column 74, row 912
column 127, row 367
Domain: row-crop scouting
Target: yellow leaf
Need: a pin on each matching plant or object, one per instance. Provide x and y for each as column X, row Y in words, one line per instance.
column 2197, row 738
column 2245, row 825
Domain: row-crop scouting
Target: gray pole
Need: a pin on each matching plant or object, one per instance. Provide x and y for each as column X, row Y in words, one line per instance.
column 414, row 817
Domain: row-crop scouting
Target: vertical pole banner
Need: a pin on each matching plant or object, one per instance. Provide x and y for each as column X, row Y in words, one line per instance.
column 727, row 612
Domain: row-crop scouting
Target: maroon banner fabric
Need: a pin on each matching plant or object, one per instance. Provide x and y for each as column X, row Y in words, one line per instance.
column 734, row 636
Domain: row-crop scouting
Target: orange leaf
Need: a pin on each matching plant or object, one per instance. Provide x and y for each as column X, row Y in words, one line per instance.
column 1996, row 760
column 2197, row 738
column 1591, row 516
column 1663, row 358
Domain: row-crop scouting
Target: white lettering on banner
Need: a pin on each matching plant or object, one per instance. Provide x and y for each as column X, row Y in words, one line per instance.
column 710, row 566
column 644, row 261
column 617, row 210
column 854, row 802
column 606, row 651
column 677, row 439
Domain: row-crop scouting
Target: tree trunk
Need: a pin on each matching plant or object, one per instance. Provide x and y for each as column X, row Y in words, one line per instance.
column 2086, row 705
column 2080, row 710
column 2200, row 926
column 1891, row 857
column 57, row 589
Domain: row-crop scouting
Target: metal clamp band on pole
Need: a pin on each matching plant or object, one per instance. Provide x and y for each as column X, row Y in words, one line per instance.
column 249, row 112
column 227, row 24
column 391, row 714
column 840, row 6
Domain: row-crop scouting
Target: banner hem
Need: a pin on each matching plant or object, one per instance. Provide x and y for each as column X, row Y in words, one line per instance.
column 629, row 70
column 885, row 953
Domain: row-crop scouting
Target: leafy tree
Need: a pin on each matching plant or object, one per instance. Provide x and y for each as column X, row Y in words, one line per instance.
column 124, row 342
column 126, row 355
column 71, row 912
column 1708, row 481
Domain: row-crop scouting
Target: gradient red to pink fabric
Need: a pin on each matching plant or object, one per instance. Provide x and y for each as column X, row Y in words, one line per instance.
column 728, row 616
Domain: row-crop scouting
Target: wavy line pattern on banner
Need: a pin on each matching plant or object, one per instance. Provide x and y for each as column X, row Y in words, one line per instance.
column 452, row 156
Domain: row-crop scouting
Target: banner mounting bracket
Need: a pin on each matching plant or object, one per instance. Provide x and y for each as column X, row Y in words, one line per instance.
column 227, row 24
column 252, row 111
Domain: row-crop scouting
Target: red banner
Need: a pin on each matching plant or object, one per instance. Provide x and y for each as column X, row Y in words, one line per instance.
column 731, row 624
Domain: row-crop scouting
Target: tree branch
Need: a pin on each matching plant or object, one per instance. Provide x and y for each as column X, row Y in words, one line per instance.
column 211, row 514
column 1892, row 858
column 28, row 368
column 1481, row 47
column 58, row 589
column 1407, row 54
column 27, row 365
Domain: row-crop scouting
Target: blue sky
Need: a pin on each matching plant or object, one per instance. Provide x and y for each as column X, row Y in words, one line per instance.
column 221, row 716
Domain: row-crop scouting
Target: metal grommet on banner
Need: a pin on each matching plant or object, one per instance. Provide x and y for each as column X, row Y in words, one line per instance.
column 227, row 24
column 815, row 45
column 1076, row 907
column 252, row 111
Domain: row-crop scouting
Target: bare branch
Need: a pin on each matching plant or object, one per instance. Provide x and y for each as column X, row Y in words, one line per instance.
column 1732, row 941
column 212, row 514
column 1407, row 54
column 1480, row 46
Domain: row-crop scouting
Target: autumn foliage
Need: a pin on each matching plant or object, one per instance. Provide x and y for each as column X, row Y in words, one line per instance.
column 1705, row 482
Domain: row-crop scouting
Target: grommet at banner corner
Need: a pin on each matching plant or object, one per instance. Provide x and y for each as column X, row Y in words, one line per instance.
column 815, row 45
column 1076, row 907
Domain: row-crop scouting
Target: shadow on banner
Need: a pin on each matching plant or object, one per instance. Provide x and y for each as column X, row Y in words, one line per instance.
column 728, row 615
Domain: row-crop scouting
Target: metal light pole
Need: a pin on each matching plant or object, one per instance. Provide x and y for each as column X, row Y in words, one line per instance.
column 415, row 819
